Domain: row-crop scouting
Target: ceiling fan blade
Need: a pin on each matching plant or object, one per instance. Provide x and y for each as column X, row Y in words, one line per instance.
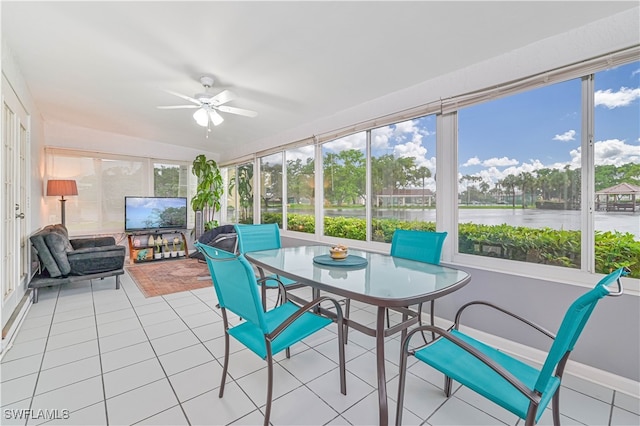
column 239, row 111
column 222, row 98
column 215, row 117
column 177, row 106
column 185, row 97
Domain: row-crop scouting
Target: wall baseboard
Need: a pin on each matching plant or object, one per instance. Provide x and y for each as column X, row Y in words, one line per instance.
column 10, row 330
column 536, row 356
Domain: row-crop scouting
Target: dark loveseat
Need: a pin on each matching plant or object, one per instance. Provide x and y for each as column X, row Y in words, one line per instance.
column 63, row 261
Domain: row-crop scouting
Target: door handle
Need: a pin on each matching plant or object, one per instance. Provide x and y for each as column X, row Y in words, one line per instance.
column 20, row 215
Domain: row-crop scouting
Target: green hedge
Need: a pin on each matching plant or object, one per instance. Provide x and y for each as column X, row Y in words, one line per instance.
column 534, row 245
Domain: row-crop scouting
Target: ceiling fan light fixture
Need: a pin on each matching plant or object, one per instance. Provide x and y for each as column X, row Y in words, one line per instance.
column 201, row 117
column 216, row 118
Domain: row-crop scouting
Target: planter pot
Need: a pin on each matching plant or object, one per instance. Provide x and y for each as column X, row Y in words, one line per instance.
column 180, row 253
column 174, row 254
column 158, row 256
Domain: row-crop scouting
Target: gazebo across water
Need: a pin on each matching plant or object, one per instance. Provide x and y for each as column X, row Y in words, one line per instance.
column 621, row 197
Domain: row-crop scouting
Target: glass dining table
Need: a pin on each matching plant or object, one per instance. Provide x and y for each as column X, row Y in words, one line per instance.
column 379, row 280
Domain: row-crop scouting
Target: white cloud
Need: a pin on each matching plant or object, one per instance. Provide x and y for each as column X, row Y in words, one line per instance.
column 301, row 153
column 491, row 162
column 566, row 136
column 474, row 161
column 624, row 97
column 355, row 141
column 610, row 152
column 500, row 162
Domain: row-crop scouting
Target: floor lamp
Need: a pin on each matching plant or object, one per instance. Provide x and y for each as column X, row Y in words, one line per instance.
column 62, row 187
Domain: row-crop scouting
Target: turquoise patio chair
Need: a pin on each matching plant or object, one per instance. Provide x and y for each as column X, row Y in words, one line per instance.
column 265, row 237
column 518, row 387
column 422, row 246
column 264, row 333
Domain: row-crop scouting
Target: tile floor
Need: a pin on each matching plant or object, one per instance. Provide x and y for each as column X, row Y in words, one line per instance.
column 101, row 356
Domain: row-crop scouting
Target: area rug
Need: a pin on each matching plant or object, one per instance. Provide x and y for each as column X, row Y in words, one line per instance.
column 169, row 276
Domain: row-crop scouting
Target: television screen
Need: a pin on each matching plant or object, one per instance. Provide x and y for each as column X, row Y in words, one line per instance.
column 149, row 213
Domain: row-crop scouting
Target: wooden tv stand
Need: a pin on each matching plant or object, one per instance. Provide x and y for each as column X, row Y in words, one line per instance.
column 141, row 251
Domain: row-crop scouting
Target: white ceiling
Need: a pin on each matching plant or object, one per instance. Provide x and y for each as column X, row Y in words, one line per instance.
column 104, row 65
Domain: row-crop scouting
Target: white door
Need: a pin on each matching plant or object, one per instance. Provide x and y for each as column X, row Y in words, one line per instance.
column 14, row 195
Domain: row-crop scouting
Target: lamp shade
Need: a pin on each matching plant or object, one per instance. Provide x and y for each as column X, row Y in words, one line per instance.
column 62, row 187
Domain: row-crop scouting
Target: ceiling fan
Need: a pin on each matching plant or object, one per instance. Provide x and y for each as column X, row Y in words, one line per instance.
column 208, row 105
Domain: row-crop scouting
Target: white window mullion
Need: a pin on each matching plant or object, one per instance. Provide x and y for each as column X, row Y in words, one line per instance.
column 587, row 160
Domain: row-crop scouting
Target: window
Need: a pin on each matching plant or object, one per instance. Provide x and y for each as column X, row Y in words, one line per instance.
column 300, row 189
column 402, row 177
column 271, row 189
column 519, row 177
column 103, row 181
column 522, row 186
column 617, row 167
column 344, row 174
column 240, row 188
column 170, row 180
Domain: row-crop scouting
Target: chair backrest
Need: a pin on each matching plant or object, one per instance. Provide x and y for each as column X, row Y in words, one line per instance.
column 573, row 323
column 235, row 284
column 258, row 237
column 422, row 246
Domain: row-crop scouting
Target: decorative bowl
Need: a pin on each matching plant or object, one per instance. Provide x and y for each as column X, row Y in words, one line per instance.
column 338, row 252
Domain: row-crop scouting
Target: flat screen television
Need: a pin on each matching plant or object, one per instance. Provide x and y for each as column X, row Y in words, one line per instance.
column 154, row 213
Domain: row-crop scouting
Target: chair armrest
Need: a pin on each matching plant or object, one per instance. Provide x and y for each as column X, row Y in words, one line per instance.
column 281, row 288
column 304, row 309
column 80, row 243
column 505, row 374
column 504, row 311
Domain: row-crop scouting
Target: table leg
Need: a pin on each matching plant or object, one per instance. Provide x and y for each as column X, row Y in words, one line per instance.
column 382, row 380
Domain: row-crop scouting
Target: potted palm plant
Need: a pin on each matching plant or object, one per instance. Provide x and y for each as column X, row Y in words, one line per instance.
column 208, row 191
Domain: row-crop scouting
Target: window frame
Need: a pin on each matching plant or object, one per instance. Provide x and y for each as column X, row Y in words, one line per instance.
column 447, row 168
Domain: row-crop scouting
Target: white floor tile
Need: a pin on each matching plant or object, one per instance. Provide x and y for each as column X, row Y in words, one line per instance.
column 132, row 377
column 69, row 354
column 25, row 349
column 34, row 333
column 202, row 318
column 327, row 387
column 184, row 359
column 366, row 412
column 255, row 384
column 301, row 407
column 72, row 325
column 308, row 365
column 171, row 417
column 209, row 331
column 173, row 342
column 197, row 380
column 20, row 367
column 627, row 402
column 165, row 329
column 92, row 415
column 71, row 338
column 18, row 389
column 118, row 327
column 620, row 417
column 72, row 397
column 456, row 412
column 127, row 356
column 209, row 409
column 583, row 408
column 122, row 340
column 137, row 405
column 66, row 374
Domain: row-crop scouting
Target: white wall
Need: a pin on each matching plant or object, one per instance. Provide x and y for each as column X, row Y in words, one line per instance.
column 62, row 135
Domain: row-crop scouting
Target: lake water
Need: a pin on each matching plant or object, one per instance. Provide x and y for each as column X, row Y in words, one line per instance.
column 533, row 218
